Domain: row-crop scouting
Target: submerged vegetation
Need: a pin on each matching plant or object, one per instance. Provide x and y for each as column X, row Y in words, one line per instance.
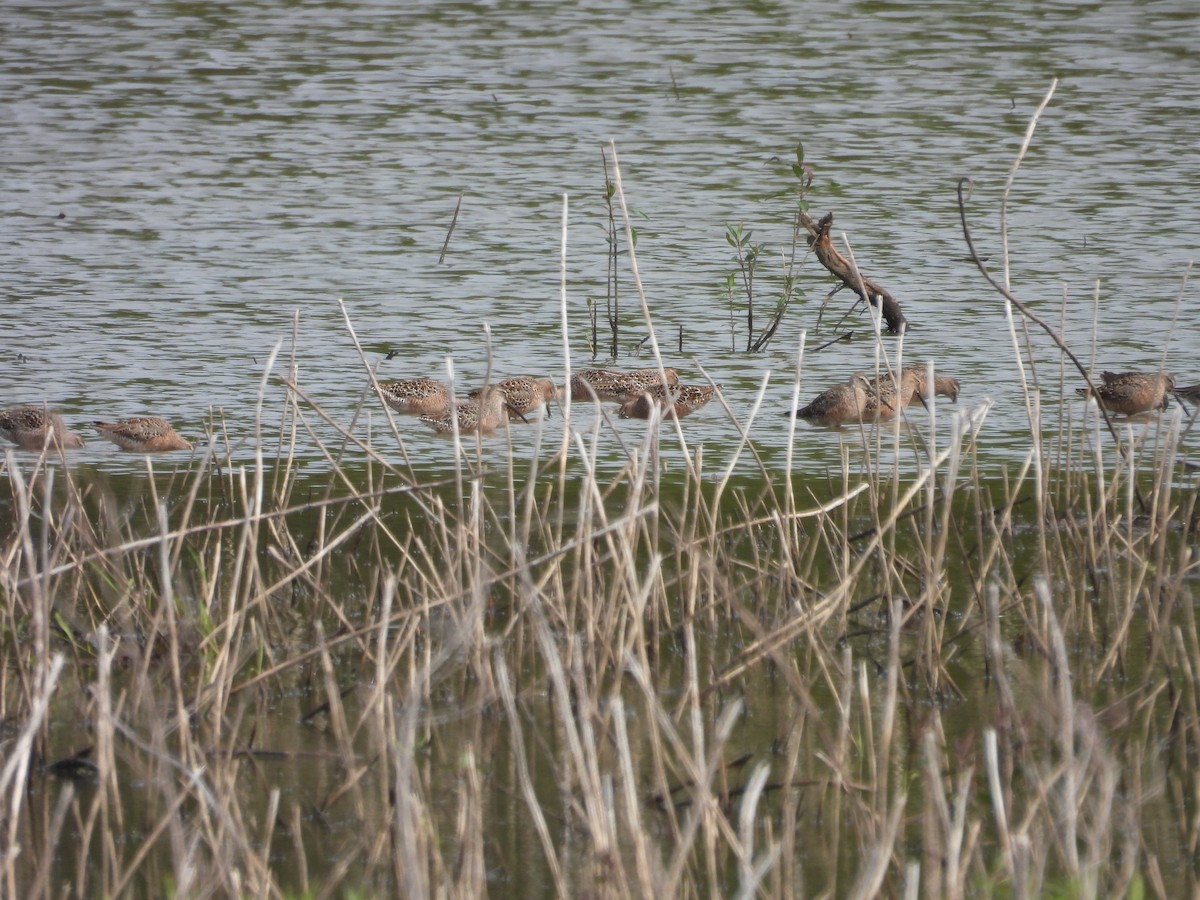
column 525, row 677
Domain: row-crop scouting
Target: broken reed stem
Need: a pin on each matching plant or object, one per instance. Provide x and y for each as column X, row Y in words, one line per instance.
column 450, row 230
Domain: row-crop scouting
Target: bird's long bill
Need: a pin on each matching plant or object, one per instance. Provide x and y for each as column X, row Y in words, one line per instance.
column 515, row 412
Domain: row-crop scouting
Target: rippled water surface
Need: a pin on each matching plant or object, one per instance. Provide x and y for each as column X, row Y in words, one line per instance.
column 182, row 178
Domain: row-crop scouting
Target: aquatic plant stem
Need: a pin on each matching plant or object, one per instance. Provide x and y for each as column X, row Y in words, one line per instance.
column 1004, row 289
column 637, row 280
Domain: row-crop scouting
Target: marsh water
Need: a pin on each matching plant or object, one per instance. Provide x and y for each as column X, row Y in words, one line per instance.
column 181, row 181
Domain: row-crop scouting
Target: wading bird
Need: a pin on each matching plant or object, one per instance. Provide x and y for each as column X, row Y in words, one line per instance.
column 32, row 427
column 682, row 400
column 143, row 434
column 605, row 384
column 1130, row 393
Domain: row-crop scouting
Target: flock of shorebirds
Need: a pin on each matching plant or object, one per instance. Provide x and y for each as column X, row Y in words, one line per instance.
column 640, row 393
column 880, row 399
column 37, row 427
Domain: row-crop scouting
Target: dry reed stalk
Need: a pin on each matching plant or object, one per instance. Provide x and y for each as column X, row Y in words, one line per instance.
column 341, row 729
column 750, row 872
column 15, row 772
column 872, row 875
column 631, row 251
column 469, row 879
column 39, row 887
column 504, row 683
column 411, row 841
column 790, row 447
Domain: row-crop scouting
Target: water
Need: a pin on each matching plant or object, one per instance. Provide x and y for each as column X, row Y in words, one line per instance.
column 218, row 168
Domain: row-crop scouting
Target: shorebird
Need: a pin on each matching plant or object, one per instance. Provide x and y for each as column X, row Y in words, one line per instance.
column 840, row 405
column 942, row 385
column 416, row 396
column 604, row 384
column 885, row 398
column 143, row 434
column 680, row 400
column 483, row 414
column 31, row 427
column 524, row 395
column 1130, row 393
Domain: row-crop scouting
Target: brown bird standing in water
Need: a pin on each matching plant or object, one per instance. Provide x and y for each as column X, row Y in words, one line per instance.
column 840, row 405
column 682, row 400
column 483, row 414
column 524, row 395
column 885, row 398
column 943, row 385
column 416, row 396
column 143, row 434
column 605, row 384
column 1130, row 393
column 30, row 427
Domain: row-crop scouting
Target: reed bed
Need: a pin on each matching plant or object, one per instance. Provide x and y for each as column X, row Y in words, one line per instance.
column 526, row 678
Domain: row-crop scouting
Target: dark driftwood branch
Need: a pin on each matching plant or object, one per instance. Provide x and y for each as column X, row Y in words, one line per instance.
column 839, row 266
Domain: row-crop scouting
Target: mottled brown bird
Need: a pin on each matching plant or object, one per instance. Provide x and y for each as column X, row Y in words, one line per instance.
column 143, row 434
column 681, row 399
column 840, row 405
column 1130, row 393
column 943, row 385
column 605, row 384
column 524, row 395
column 885, row 398
column 483, row 414
column 416, row 396
column 32, row 427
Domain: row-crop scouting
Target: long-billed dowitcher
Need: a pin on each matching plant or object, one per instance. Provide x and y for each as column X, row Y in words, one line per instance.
column 840, row 405
column 1130, row 393
column 416, row 396
column 605, row 384
column 681, row 399
column 143, row 434
column 32, row 427
column 524, row 395
column 943, row 385
column 482, row 414
column 886, row 398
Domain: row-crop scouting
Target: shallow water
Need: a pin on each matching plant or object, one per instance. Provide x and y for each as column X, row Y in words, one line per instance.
column 219, row 168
